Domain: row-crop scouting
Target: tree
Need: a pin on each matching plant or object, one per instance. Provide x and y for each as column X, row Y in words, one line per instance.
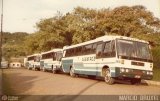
column 83, row 24
column 13, row 44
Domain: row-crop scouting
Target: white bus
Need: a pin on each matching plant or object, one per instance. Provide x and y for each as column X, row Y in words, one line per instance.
column 4, row 64
column 51, row 60
column 110, row 57
column 33, row 62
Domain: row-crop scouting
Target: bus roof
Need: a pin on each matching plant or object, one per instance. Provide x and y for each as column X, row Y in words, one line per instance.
column 53, row 50
column 104, row 38
column 37, row 54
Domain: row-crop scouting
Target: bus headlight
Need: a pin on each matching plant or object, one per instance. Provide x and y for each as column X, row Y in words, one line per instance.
column 122, row 70
column 127, row 70
column 151, row 73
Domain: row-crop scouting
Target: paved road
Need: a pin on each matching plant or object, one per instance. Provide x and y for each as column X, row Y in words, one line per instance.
column 28, row 82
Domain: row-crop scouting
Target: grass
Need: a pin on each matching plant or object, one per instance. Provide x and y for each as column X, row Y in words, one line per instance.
column 6, row 86
column 156, row 74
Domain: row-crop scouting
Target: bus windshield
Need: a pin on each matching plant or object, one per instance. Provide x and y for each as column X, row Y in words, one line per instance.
column 133, row 50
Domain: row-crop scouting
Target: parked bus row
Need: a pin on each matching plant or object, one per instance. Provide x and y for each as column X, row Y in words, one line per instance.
column 110, row 57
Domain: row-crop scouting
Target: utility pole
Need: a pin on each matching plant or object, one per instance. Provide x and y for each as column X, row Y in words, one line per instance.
column 1, row 35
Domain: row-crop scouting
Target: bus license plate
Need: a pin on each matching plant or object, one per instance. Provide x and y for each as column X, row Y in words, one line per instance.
column 137, row 76
column 138, row 72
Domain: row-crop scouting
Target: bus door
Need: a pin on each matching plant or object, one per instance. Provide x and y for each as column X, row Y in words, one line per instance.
column 105, row 55
column 99, row 59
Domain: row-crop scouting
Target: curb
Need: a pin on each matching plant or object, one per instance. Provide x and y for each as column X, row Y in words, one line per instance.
column 0, row 81
column 148, row 82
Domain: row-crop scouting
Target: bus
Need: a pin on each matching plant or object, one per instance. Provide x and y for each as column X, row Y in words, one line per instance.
column 110, row 57
column 51, row 60
column 4, row 64
column 33, row 62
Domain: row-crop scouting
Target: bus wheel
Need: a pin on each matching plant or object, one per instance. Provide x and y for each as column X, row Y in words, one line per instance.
column 108, row 79
column 72, row 74
column 54, row 71
column 34, row 69
column 135, row 81
column 44, row 70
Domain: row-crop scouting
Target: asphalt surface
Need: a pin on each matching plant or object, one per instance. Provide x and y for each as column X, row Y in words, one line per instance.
column 29, row 82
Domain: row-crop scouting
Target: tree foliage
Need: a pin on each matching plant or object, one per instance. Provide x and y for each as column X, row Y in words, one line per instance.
column 83, row 24
column 13, row 44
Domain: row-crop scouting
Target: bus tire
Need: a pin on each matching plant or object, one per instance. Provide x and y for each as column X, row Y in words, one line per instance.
column 34, row 68
column 135, row 81
column 44, row 70
column 108, row 79
column 72, row 74
column 54, row 71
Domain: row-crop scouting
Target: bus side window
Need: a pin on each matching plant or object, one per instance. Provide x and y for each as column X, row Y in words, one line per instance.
column 38, row 59
column 113, row 54
column 34, row 58
column 109, row 49
column 83, row 50
column 99, row 50
column 78, row 50
column 87, row 49
column 72, row 53
column 94, row 48
column 53, row 55
column 58, row 56
column 67, row 53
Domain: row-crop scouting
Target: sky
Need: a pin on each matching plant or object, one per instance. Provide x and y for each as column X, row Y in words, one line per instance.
column 22, row 15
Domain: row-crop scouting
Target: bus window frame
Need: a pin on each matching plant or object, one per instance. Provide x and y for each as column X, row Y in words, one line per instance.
column 112, row 52
column 84, row 52
column 97, row 55
column 31, row 58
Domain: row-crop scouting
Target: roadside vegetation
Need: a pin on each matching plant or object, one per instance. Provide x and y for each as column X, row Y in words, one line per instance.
column 83, row 24
column 156, row 75
column 13, row 44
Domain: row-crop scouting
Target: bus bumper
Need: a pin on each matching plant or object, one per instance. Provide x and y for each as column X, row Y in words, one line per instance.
column 132, row 73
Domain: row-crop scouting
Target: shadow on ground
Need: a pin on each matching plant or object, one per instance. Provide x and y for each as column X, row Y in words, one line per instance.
column 18, row 84
column 15, row 83
column 123, row 82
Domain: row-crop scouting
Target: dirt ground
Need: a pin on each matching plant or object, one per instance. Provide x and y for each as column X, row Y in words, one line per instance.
column 29, row 82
